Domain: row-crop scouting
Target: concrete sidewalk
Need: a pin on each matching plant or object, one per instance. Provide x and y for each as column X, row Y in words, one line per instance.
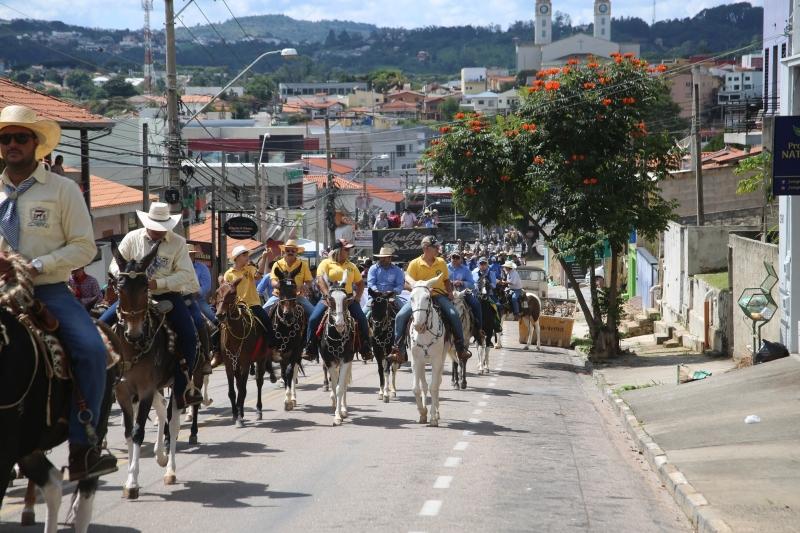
column 725, row 474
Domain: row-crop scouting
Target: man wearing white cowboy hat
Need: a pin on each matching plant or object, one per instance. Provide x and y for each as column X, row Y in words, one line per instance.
column 461, row 278
column 513, row 282
column 385, row 276
column 44, row 218
column 289, row 262
column 171, row 277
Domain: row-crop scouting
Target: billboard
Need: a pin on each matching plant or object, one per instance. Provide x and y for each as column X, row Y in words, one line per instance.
column 786, row 157
column 407, row 243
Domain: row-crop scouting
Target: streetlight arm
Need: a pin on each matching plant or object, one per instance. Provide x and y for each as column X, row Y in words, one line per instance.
column 242, row 73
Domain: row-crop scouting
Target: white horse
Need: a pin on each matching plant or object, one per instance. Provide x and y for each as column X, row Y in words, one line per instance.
column 529, row 313
column 426, row 343
column 337, row 347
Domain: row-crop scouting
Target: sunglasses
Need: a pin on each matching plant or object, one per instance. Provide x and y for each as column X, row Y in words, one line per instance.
column 19, row 138
column 290, row 252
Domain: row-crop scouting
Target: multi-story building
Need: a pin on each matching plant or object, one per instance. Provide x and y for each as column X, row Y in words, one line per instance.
column 474, row 80
column 310, row 89
column 776, row 43
column 740, row 86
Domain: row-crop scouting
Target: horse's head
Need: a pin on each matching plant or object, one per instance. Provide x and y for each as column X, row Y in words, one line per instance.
column 226, row 298
column 422, row 303
column 483, row 286
column 132, row 291
column 381, row 303
column 287, row 288
column 337, row 301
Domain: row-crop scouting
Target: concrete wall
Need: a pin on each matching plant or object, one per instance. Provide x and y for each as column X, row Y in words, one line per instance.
column 719, row 327
column 747, row 270
column 719, row 193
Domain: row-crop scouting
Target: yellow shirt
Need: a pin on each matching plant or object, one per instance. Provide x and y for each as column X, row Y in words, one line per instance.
column 419, row 270
column 54, row 226
column 302, row 277
column 246, row 290
column 334, row 271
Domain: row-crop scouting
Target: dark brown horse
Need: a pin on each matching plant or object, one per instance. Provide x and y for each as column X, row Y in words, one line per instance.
column 381, row 325
column 29, row 392
column 148, row 367
column 289, row 322
column 243, row 343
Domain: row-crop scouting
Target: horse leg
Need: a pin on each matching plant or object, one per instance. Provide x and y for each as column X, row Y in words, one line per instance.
column 437, row 368
column 335, row 374
column 261, row 369
column 529, row 324
column 174, row 426
column 463, row 365
column 160, row 407
column 454, row 374
column 418, row 366
column 206, row 399
column 49, row 479
column 131, row 488
column 344, row 383
column 295, row 372
column 83, row 504
column 325, row 378
column 287, row 373
column 381, row 369
column 538, row 336
column 231, row 391
column 193, row 430
column 395, row 366
column 241, row 394
column 28, row 512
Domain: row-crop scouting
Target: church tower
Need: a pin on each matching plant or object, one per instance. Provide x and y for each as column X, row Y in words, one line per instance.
column 602, row 19
column 543, row 22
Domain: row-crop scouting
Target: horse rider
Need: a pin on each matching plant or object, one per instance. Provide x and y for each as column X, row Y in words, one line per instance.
column 514, row 283
column 384, row 276
column 461, row 277
column 246, row 292
column 423, row 268
column 332, row 269
column 171, row 278
column 204, row 279
column 196, row 303
column 44, row 218
column 302, row 279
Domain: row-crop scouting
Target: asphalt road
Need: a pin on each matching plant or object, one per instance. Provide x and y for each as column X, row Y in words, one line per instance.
column 530, row 447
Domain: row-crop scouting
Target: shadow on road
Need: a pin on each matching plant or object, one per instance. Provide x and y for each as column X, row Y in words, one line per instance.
column 485, row 427
column 225, row 450
column 227, row 494
column 383, row 422
column 561, row 367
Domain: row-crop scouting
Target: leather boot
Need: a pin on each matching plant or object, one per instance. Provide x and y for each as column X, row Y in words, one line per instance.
column 86, row 462
column 311, row 350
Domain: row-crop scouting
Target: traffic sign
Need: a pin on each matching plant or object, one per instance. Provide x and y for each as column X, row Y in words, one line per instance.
column 239, row 228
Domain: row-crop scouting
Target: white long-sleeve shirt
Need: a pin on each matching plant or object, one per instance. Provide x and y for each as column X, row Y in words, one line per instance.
column 172, row 268
column 513, row 279
column 54, row 226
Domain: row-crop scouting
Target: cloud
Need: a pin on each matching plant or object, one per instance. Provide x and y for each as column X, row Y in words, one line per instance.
column 409, row 13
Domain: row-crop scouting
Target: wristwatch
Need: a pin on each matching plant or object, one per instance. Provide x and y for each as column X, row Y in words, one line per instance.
column 38, row 265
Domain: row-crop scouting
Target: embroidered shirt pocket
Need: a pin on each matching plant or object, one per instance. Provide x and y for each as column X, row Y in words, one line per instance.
column 40, row 217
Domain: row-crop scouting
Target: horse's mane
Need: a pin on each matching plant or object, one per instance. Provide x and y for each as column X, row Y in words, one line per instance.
column 16, row 284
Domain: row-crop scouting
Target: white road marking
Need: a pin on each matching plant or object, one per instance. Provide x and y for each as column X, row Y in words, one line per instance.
column 477, row 411
column 452, row 462
column 443, row 482
column 474, row 421
column 431, row 508
column 486, row 396
column 481, row 404
column 468, row 433
column 492, row 383
column 461, row 446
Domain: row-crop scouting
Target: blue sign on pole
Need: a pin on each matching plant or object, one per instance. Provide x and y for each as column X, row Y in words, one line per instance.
column 786, row 157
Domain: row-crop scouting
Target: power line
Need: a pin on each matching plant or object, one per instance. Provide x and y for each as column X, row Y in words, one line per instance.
column 236, row 20
column 213, row 27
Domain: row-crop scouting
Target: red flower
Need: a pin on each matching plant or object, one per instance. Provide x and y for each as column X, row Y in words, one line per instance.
column 593, row 181
column 538, row 160
column 468, row 153
column 533, row 90
column 661, row 68
column 592, row 64
column 529, row 127
column 630, row 100
column 460, row 116
column 470, row 191
column 607, row 101
column 572, row 61
column 505, row 178
column 628, row 55
column 586, row 181
column 602, row 80
column 444, row 129
column 476, row 129
column 618, row 59
column 566, row 70
column 552, row 86
column 589, row 85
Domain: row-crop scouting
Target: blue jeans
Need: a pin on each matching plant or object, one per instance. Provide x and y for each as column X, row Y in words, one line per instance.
column 206, row 309
column 86, row 350
column 450, row 313
column 180, row 319
column 355, row 311
column 300, row 299
column 516, row 294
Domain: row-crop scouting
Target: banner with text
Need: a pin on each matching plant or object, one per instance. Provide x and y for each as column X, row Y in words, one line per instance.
column 407, row 243
column 786, row 157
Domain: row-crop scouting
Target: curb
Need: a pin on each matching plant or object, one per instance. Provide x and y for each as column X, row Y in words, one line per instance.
column 704, row 517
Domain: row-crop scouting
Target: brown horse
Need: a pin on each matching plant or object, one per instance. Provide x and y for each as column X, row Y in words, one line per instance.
column 529, row 312
column 243, row 343
column 289, row 323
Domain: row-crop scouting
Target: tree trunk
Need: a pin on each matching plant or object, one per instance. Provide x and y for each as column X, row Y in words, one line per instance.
column 605, row 344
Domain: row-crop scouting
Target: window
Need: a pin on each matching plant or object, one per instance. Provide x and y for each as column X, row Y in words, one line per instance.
column 400, row 150
column 735, row 87
column 747, row 78
column 748, row 87
column 544, row 34
column 340, row 153
column 602, row 21
column 544, row 23
column 480, row 102
column 602, row 31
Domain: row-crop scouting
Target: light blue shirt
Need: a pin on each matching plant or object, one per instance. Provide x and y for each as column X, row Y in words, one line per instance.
column 203, row 278
column 476, row 274
column 385, row 279
column 461, row 273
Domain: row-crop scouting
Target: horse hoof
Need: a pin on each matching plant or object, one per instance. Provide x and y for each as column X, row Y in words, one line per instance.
column 386, row 398
column 344, row 413
column 28, row 518
column 192, row 439
column 394, row 394
column 162, row 461
column 170, row 479
column 526, row 347
column 287, row 405
column 434, row 423
column 326, row 388
column 259, row 416
column 423, row 419
column 380, row 396
column 463, row 385
column 208, row 402
column 130, row 493
column 337, row 421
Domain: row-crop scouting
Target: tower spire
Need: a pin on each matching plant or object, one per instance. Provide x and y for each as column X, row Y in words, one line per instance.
column 543, row 22
column 602, row 19
column 147, row 6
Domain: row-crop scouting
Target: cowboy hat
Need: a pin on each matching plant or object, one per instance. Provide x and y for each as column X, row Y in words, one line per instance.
column 385, row 251
column 291, row 243
column 342, row 243
column 158, row 217
column 430, row 240
column 482, row 260
column 48, row 132
column 510, row 264
column 239, row 250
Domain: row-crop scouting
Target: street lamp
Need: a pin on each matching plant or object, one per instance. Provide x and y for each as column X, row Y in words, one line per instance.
column 288, row 53
column 364, row 182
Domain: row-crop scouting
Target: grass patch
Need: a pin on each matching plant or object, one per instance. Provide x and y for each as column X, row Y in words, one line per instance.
column 718, row 280
column 626, row 388
column 582, row 345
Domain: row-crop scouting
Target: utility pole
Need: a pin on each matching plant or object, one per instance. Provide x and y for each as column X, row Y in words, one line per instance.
column 214, row 239
column 696, row 152
column 222, row 253
column 145, row 169
column 173, row 126
column 330, row 209
column 425, row 198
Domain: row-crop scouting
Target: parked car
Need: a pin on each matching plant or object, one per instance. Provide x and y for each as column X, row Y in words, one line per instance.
column 533, row 279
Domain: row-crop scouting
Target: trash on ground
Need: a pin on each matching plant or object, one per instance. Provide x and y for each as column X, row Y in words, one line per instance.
column 771, row 351
column 752, row 419
column 687, row 374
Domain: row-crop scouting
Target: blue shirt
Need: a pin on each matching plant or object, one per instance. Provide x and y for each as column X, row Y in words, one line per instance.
column 203, row 278
column 461, row 273
column 473, row 263
column 476, row 274
column 383, row 279
column 264, row 287
column 496, row 269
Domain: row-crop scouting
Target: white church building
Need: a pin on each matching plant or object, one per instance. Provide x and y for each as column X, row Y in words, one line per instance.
column 544, row 53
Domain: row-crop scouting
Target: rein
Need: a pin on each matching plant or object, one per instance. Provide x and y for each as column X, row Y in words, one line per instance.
column 291, row 319
column 245, row 316
column 335, row 344
column 429, row 323
column 383, row 329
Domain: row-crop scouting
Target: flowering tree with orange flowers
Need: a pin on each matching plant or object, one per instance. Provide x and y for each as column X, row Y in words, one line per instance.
column 577, row 158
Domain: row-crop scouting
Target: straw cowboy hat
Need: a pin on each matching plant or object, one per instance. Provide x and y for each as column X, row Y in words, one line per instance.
column 48, row 132
column 385, row 251
column 239, row 250
column 510, row 264
column 158, row 217
column 291, row 243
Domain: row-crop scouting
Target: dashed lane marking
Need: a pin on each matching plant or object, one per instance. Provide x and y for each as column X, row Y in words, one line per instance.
column 474, row 421
column 461, row 446
column 431, row 508
column 477, row 411
column 443, row 482
column 452, row 462
column 468, row 433
column 481, row 404
column 486, row 396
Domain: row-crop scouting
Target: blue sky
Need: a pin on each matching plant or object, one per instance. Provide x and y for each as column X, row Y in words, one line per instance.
column 409, row 13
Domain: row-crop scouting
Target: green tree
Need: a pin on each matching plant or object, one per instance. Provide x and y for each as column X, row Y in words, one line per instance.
column 450, row 108
column 756, row 172
column 576, row 157
column 21, row 77
column 81, row 84
column 261, row 87
column 118, row 87
column 384, row 80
